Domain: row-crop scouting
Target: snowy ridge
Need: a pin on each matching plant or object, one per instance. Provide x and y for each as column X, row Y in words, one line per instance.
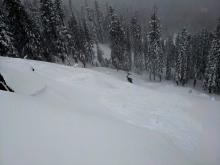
column 66, row 115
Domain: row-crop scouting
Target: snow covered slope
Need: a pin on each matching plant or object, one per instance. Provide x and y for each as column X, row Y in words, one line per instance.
column 66, row 115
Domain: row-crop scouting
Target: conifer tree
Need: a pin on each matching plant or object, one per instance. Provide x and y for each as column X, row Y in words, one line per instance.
column 82, row 40
column 25, row 33
column 49, row 27
column 189, row 70
column 128, row 55
column 74, row 29
column 107, row 23
column 137, row 44
column 35, row 13
column 146, row 51
column 32, row 48
column 6, row 40
column 63, row 43
column 182, row 43
column 28, row 6
column 204, row 47
column 218, row 56
column 83, row 57
column 196, row 57
column 211, row 80
column 155, row 48
column 100, row 56
column 117, row 36
column 200, row 44
column 160, row 61
column 75, row 37
column 89, row 19
column 99, row 22
column 63, row 35
column 211, row 69
column 59, row 12
column 169, row 57
column 87, row 44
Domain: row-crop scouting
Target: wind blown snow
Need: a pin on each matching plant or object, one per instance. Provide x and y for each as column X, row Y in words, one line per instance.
column 69, row 115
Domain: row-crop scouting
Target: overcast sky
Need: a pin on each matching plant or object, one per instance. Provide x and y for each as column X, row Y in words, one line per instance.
column 174, row 14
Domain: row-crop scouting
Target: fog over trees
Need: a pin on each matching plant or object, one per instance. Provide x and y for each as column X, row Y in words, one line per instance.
column 172, row 40
column 193, row 14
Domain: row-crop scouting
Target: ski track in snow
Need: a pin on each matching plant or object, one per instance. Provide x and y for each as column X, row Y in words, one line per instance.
column 39, row 92
column 143, row 110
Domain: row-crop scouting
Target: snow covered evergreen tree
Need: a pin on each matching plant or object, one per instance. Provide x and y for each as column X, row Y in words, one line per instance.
column 160, row 61
column 27, row 5
column 146, row 50
column 107, row 23
column 82, row 40
column 155, row 54
column 63, row 43
column 23, row 28
column 58, row 8
column 100, row 56
column 32, row 48
column 99, row 22
column 6, row 40
column 182, row 43
column 128, row 55
column 63, row 36
column 169, row 51
column 35, row 13
column 136, row 42
column 75, row 38
column 211, row 80
column 200, row 47
column 89, row 19
column 211, row 69
column 218, row 56
column 82, row 57
column 117, row 36
column 74, row 30
column 49, row 27
column 204, row 47
column 87, row 45
column 196, row 57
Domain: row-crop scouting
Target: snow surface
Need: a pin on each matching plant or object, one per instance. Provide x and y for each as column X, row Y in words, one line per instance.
column 69, row 115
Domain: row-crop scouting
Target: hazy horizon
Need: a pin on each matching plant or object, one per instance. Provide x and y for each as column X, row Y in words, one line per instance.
column 174, row 14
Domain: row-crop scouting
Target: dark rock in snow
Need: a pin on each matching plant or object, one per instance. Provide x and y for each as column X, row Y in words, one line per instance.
column 129, row 78
column 3, row 85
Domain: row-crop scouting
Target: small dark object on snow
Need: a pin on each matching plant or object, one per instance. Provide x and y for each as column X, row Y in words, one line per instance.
column 3, row 85
column 32, row 69
column 129, row 78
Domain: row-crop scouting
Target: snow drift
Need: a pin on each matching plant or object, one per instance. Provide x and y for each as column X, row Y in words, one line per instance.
column 66, row 115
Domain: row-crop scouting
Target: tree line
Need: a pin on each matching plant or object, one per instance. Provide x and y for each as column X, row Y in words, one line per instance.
column 49, row 31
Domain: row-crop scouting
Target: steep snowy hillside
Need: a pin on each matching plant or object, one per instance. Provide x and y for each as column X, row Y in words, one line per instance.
column 66, row 115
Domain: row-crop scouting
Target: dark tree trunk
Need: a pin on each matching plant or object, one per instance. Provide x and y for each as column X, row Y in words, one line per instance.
column 194, row 83
column 84, row 65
